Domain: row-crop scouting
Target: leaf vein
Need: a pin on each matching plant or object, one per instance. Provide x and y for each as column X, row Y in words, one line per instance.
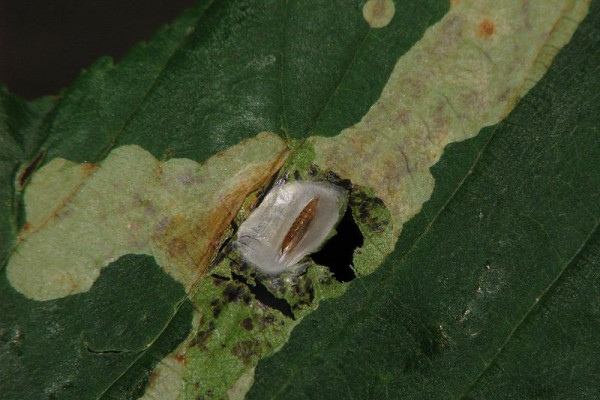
column 530, row 310
column 340, row 81
column 371, row 296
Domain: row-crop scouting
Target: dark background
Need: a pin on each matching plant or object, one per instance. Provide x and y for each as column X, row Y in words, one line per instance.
column 44, row 44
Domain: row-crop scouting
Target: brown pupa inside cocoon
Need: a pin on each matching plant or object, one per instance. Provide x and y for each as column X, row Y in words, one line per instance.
column 292, row 221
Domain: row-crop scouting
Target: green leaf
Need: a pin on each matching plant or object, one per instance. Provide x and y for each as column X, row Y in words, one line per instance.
column 100, row 344
column 116, row 195
column 492, row 290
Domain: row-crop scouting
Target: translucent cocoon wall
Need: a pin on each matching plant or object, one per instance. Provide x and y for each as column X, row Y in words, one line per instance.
column 292, row 221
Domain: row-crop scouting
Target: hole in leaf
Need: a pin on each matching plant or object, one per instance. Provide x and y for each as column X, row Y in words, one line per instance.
column 338, row 252
column 262, row 294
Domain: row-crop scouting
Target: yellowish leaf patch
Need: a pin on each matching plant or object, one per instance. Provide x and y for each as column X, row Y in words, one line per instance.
column 466, row 73
column 81, row 217
column 378, row 13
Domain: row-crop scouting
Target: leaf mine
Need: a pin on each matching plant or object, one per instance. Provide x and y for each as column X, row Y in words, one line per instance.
column 81, row 217
column 467, row 72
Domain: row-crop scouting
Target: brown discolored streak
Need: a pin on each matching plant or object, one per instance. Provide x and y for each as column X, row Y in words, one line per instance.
column 300, row 226
column 28, row 170
column 190, row 244
column 190, row 240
